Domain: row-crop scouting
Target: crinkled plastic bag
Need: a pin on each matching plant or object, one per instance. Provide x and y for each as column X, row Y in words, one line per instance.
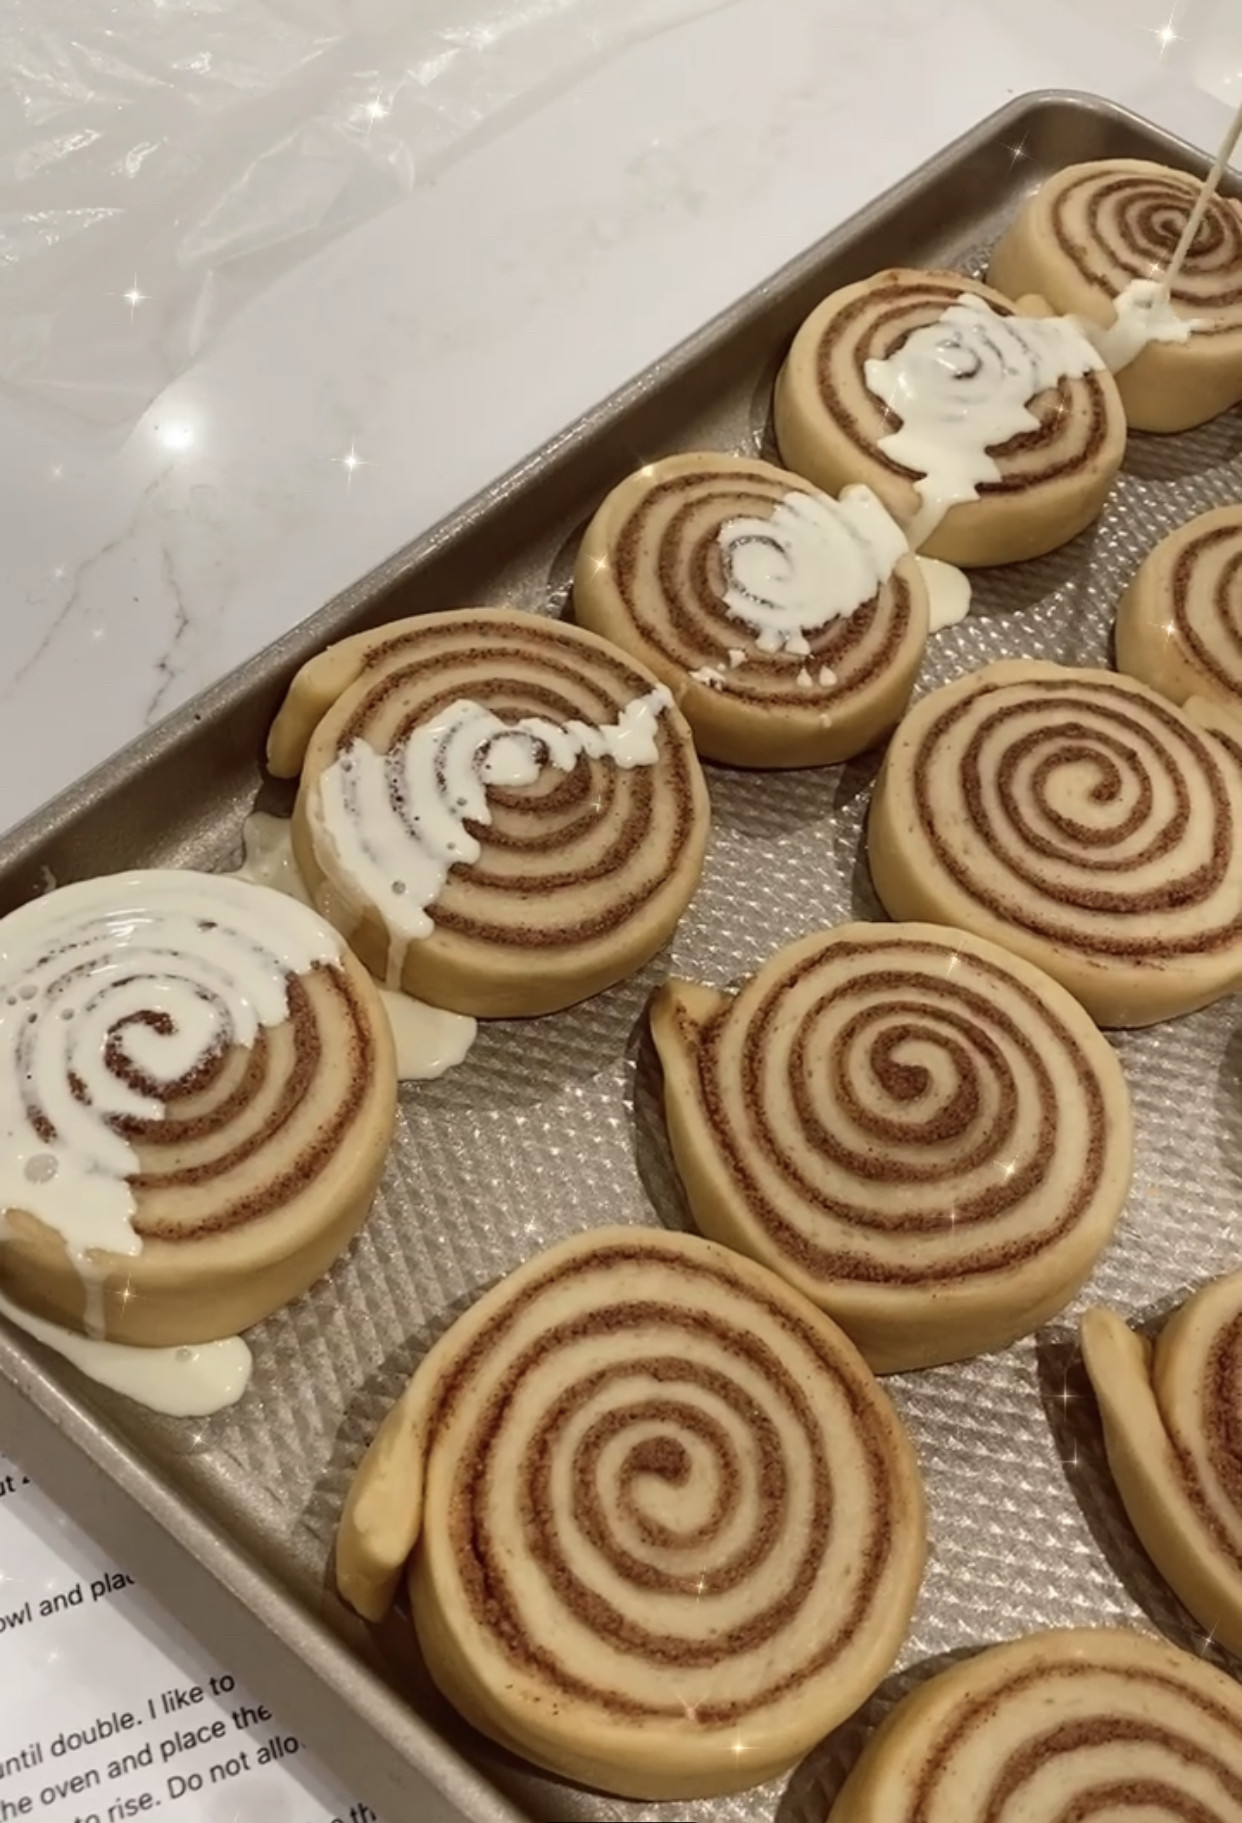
column 164, row 161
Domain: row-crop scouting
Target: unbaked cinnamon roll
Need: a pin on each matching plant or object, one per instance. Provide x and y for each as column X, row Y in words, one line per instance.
column 990, row 434
column 1172, row 1415
column 789, row 626
column 1079, row 820
column 663, row 1528
column 1080, row 1726
column 921, row 1133
column 1102, row 234
column 1179, row 624
column 196, row 1098
column 501, row 814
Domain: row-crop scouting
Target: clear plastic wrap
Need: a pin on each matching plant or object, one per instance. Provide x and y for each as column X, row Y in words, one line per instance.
column 164, row 161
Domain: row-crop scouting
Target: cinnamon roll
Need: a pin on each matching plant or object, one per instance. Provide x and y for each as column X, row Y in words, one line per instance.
column 921, row 1133
column 197, row 1095
column 991, row 434
column 666, row 1530
column 1099, row 236
column 1079, row 820
column 1172, row 1416
column 1086, row 1725
column 1179, row 624
column 789, row 626
column 502, row 814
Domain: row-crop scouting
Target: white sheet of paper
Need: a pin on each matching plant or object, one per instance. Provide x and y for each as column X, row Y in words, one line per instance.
column 109, row 1710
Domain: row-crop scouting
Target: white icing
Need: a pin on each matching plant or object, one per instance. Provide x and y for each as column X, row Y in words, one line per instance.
column 711, row 675
column 948, row 593
column 736, row 657
column 268, row 845
column 827, row 677
column 804, row 679
column 428, row 1040
column 961, row 387
column 1144, row 314
column 209, row 955
column 813, row 560
column 188, row 1382
column 396, row 821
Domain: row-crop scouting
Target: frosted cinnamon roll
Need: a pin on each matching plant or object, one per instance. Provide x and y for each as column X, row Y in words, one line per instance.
column 1096, row 239
column 789, row 626
column 1179, row 624
column 196, row 1097
column 666, row 1530
column 1079, row 820
column 925, row 1136
column 1172, row 1416
column 502, row 814
column 1076, row 1726
column 990, row 434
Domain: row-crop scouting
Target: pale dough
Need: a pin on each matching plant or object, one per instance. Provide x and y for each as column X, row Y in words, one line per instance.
column 1179, row 624
column 1039, row 806
column 1172, row 1412
column 582, row 876
column 919, row 1131
column 249, row 1186
column 649, row 577
column 828, row 425
column 663, row 1528
column 1074, row 1725
column 1092, row 229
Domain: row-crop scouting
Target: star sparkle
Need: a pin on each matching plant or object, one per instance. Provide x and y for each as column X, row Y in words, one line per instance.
column 134, row 296
column 1165, row 35
column 351, row 462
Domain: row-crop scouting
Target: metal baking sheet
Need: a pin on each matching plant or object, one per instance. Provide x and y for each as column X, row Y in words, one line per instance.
column 230, row 1521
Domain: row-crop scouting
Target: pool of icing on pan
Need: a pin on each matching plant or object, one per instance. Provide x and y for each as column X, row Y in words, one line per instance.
column 555, row 1125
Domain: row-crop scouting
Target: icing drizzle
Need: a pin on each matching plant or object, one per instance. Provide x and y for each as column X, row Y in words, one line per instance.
column 428, row 1040
column 813, row 560
column 398, row 820
column 111, row 991
column 188, row 1382
column 961, row 387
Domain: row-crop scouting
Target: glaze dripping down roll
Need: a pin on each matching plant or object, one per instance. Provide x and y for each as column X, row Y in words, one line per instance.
column 197, row 1091
column 1076, row 1726
column 920, row 1132
column 1028, row 402
column 1179, row 624
column 1078, row 819
column 1095, row 229
column 502, row 814
column 789, row 626
column 666, row 1528
column 1172, row 1415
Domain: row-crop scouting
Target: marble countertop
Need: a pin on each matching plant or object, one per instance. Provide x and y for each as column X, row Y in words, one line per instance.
column 372, row 390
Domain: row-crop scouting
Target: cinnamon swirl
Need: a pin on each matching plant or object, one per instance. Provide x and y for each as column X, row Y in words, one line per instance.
column 501, row 813
column 1179, row 624
column 666, row 1529
column 921, row 1133
column 789, row 626
column 1172, row 1416
column 1076, row 1726
column 197, row 1095
column 990, row 434
column 1078, row 819
column 1098, row 233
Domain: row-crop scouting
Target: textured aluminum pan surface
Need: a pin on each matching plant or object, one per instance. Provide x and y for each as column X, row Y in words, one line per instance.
column 555, row 1125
